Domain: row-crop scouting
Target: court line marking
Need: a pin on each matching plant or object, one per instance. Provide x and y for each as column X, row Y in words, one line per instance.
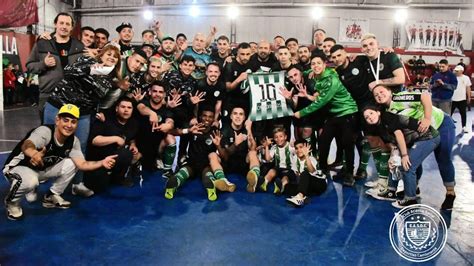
column 10, row 140
column 5, row 152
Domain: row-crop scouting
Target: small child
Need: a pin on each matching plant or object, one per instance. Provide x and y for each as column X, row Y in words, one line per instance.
column 284, row 161
column 311, row 180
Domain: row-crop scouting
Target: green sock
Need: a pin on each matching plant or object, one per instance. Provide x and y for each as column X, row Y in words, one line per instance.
column 168, row 156
column 218, row 174
column 384, row 171
column 365, row 156
column 182, row 175
column 256, row 170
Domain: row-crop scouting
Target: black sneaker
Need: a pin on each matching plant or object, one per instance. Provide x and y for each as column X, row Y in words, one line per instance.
column 400, row 204
column 448, row 202
column 361, row 174
column 388, row 195
column 348, row 180
column 401, row 194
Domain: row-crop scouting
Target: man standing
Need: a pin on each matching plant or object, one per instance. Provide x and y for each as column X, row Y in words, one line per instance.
column 264, row 59
column 443, row 85
column 304, row 56
column 87, row 36
column 383, row 68
column 223, row 54
column 235, row 73
column 462, row 95
column 198, row 51
column 46, row 152
column 213, row 89
column 318, row 38
column 125, row 31
column 292, row 44
column 48, row 58
column 101, row 38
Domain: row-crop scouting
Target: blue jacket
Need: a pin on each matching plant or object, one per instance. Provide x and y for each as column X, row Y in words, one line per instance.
column 443, row 92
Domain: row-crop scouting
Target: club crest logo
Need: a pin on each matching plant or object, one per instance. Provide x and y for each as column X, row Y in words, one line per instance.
column 418, row 233
column 355, row 71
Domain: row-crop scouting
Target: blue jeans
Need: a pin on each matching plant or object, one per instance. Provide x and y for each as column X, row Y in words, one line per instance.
column 82, row 131
column 417, row 153
column 443, row 153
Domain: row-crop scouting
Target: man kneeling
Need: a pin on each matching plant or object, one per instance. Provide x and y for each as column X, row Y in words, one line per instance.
column 46, row 152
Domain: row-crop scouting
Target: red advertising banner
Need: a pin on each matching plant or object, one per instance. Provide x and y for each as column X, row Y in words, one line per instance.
column 18, row 13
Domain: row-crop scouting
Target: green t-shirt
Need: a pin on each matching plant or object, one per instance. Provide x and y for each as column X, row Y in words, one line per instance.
column 409, row 104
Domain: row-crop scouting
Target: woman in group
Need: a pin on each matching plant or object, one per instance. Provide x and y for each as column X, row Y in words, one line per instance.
column 418, row 106
column 401, row 133
column 341, row 117
column 85, row 82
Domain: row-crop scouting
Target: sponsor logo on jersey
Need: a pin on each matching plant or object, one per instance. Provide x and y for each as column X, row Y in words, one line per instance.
column 407, row 98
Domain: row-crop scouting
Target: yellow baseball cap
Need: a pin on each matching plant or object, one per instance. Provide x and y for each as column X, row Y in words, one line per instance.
column 70, row 109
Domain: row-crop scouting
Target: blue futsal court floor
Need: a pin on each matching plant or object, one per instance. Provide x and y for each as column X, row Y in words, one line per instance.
column 138, row 226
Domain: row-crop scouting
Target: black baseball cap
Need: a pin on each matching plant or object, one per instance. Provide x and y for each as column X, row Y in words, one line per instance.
column 123, row 25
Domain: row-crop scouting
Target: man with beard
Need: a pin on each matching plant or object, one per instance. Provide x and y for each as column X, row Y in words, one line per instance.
column 101, row 38
column 125, row 31
column 383, row 68
column 264, row 59
column 235, row 73
column 198, row 51
column 148, row 36
column 113, row 136
column 156, row 121
column 304, row 56
column 318, row 39
column 355, row 79
column 213, row 90
column 292, row 44
column 166, row 52
column 223, row 54
column 203, row 159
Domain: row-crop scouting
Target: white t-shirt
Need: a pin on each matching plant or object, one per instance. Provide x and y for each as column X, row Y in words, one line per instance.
column 460, row 92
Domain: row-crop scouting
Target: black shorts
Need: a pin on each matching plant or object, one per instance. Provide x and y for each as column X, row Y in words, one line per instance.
column 292, row 178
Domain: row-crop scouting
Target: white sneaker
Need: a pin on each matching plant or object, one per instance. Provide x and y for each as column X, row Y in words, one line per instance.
column 32, row 196
column 224, row 185
column 297, row 201
column 81, row 190
column 14, row 211
column 464, row 130
column 371, row 184
column 55, row 201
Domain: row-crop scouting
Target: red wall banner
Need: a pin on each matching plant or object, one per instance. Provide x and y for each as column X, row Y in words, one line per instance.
column 18, row 13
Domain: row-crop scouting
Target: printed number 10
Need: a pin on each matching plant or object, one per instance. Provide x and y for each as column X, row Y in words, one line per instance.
column 268, row 89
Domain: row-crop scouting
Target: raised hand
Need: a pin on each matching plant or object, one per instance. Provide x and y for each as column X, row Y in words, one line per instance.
column 138, row 95
column 197, row 129
column 197, row 97
column 286, row 93
column 267, row 142
column 239, row 138
column 174, row 101
column 302, row 92
column 216, row 137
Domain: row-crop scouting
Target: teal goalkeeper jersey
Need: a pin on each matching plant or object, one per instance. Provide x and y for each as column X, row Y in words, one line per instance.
column 409, row 104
